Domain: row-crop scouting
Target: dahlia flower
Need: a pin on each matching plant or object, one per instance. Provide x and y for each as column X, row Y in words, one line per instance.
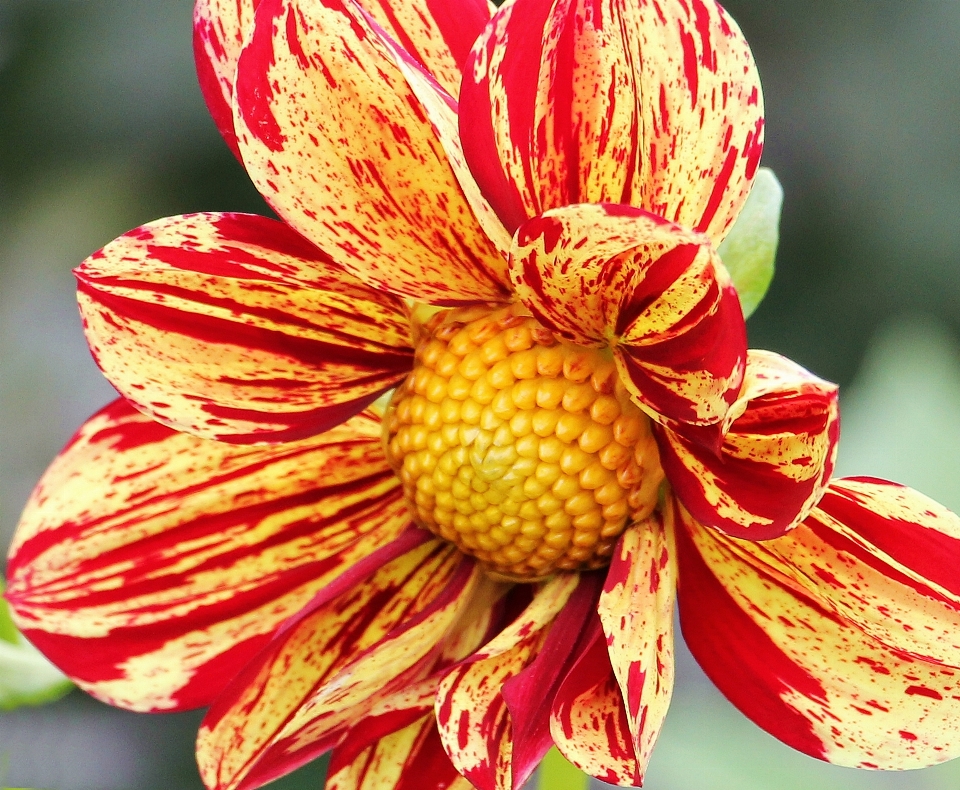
column 508, row 218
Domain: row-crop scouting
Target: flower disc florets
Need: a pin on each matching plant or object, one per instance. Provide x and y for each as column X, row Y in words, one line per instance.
column 523, row 450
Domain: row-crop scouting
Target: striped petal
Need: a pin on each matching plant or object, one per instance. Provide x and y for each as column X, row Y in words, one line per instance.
column 437, row 33
column 232, row 327
column 339, row 144
column 588, row 721
column 529, row 694
column 363, row 638
column 151, row 565
column 410, row 758
column 776, row 457
column 806, row 674
column 883, row 557
column 472, row 714
column 219, row 29
column 636, row 610
column 652, row 104
column 658, row 294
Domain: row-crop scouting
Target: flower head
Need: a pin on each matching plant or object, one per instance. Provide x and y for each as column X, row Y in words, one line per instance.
column 511, row 222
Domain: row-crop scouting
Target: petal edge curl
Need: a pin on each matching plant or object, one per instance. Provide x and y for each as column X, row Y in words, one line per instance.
column 656, row 293
column 775, row 457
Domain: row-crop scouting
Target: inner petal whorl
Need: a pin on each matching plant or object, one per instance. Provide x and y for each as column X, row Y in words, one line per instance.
column 523, row 450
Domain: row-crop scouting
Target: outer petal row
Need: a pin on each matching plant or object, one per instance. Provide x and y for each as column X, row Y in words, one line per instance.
column 825, row 638
column 233, row 327
column 339, row 144
column 656, row 293
column 648, row 103
column 151, row 565
column 775, row 457
column 365, row 637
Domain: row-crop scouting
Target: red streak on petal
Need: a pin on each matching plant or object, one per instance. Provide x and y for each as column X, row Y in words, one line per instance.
column 254, row 93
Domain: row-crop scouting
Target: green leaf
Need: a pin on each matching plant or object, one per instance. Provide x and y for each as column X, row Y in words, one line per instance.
column 26, row 677
column 750, row 248
column 557, row 774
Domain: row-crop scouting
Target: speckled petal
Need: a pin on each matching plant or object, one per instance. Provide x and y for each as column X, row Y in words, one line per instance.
column 603, row 274
column 649, row 103
column 219, row 29
column 530, row 693
column 472, row 714
column 338, row 143
column 884, row 557
column 777, row 453
column 636, row 610
column 233, row 327
column 365, row 637
column 151, row 565
column 588, row 721
column 408, row 758
column 802, row 670
column 437, row 33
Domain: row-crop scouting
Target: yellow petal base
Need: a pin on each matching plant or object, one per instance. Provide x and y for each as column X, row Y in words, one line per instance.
column 523, row 450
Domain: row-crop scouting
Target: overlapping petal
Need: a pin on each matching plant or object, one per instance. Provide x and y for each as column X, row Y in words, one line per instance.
column 409, row 758
column 437, row 33
column 655, row 292
column 776, row 456
column 636, row 610
column 365, row 637
column 795, row 663
column 588, row 720
column 219, row 30
column 338, row 143
column 472, row 712
column 652, row 104
column 530, row 693
column 233, row 327
column 152, row 565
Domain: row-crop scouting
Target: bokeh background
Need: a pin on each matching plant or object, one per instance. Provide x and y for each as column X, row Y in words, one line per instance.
column 102, row 128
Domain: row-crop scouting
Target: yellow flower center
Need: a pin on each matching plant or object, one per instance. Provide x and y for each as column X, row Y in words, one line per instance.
column 523, row 450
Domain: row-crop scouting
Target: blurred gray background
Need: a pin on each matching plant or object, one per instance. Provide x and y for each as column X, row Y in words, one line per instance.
column 102, row 128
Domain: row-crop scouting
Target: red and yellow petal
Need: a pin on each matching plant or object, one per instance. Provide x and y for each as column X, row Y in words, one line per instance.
column 655, row 292
column 472, row 712
column 805, row 673
column 151, row 565
column 884, row 557
column 636, row 610
column 337, row 141
column 437, row 33
column 219, row 30
column 530, row 693
column 588, row 720
column 656, row 105
column 362, row 639
column 409, row 758
column 777, row 453
column 232, row 327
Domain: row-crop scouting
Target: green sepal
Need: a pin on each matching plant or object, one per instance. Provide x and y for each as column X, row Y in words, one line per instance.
column 750, row 248
column 26, row 677
column 558, row 774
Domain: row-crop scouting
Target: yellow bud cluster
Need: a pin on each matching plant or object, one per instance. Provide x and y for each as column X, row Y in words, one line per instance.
column 523, row 450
